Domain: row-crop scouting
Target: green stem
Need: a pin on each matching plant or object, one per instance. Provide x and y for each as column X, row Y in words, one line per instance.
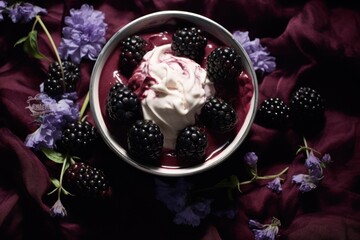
column 273, row 176
column 306, row 147
column 253, row 179
column 38, row 19
column 84, row 106
column 63, row 168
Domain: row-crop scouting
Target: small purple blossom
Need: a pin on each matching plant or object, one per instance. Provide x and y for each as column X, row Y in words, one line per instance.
column 326, row 158
column 265, row 231
column 3, row 5
column 313, row 165
column 275, row 185
column 83, row 35
column 52, row 120
column 24, row 12
column 58, row 210
column 173, row 196
column 259, row 55
column 307, row 182
column 251, row 159
column 192, row 214
column 176, row 198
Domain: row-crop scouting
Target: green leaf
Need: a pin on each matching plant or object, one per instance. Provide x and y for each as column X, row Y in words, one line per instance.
column 30, row 45
column 54, row 190
column 56, row 182
column 66, row 192
column 20, row 41
column 53, row 155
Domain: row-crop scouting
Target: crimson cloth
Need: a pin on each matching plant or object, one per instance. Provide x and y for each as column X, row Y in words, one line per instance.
column 316, row 43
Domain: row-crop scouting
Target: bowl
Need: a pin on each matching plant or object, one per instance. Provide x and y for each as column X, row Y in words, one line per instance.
column 105, row 74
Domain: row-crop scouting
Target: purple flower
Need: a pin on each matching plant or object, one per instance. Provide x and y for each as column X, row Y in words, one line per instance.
column 275, row 185
column 313, row 165
column 326, row 158
column 84, row 35
column 176, row 198
column 192, row 214
column 251, row 159
column 3, row 5
column 259, row 55
column 24, row 12
column 58, row 210
column 173, row 196
column 307, row 182
column 52, row 120
column 265, row 231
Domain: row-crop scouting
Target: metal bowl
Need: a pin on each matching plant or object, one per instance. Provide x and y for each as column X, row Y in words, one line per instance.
column 152, row 21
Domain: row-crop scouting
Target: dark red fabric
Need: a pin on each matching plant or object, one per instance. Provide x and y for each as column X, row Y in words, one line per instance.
column 316, row 43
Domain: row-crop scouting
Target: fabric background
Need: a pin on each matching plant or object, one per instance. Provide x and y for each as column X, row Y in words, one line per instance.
column 316, row 43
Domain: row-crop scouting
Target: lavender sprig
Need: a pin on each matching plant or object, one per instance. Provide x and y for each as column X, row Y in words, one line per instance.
column 265, row 231
column 314, row 165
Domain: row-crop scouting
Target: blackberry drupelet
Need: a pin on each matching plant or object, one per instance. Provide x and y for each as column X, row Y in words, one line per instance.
column 307, row 110
column 274, row 113
column 122, row 104
column 145, row 141
column 218, row 115
column 87, row 181
column 55, row 84
column 132, row 51
column 189, row 42
column 78, row 138
column 223, row 65
column 191, row 144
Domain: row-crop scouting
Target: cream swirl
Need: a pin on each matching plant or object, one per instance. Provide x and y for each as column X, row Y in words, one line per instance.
column 172, row 91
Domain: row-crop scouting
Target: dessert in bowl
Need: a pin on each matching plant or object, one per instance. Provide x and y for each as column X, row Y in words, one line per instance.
column 173, row 90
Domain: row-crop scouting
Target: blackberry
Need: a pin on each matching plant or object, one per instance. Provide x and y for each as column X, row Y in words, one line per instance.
column 55, row 84
column 87, row 181
column 274, row 113
column 191, row 143
column 145, row 141
column 78, row 138
column 223, row 65
column 122, row 104
column 307, row 110
column 189, row 42
column 132, row 51
column 218, row 115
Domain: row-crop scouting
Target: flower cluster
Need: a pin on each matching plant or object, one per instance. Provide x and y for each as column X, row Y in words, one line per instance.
column 259, row 55
column 251, row 159
column 53, row 113
column 83, row 35
column 265, row 231
column 20, row 12
column 191, row 204
column 176, row 197
column 315, row 166
column 52, row 117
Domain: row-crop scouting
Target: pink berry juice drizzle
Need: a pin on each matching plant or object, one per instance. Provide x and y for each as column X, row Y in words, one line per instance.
column 238, row 96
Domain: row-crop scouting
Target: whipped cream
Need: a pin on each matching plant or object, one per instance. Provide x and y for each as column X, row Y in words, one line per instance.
column 172, row 90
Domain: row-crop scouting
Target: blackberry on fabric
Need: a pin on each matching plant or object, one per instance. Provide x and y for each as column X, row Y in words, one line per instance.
column 88, row 181
column 307, row 110
column 78, row 138
column 273, row 113
column 56, row 83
